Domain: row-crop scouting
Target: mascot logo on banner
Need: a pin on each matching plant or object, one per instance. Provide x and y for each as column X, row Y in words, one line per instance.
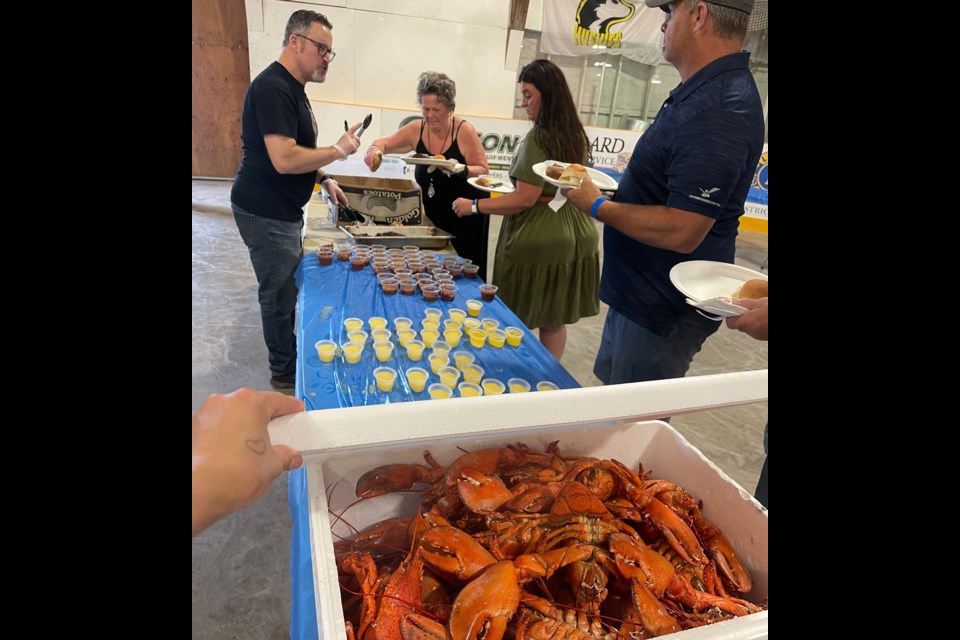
column 596, row 18
column 758, row 189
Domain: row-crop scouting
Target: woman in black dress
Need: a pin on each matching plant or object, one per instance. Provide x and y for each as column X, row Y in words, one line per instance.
column 441, row 133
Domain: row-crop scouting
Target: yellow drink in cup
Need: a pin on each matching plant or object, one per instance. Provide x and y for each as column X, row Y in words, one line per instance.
column 469, row 389
column 449, row 376
column 405, row 335
column 433, row 313
column 514, row 336
column 489, row 323
column 352, row 352
column 473, row 373
column 546, row 385
column 518, row 385
column 386, row 377
column 439, row 391
column 429, row 336
column 358, row 337
column 474, row 307
column 452, row 324
column 430, row 324
column 469, row 324
column 452, row 337
column 383, row 350
column 463, row 358
column 415, row 349
column 441, row 346
column 353, row 324
column 381, row 335
column 493, row 387
column 401, row 322
column 457, row 314
column 478, row 338
column 438, row 361
column 326, row 349
column 417, row 379
column 377, row 322
column 496, row 337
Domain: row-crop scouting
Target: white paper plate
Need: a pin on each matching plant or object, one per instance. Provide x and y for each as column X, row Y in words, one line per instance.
column 431, row 162
column 710, row 285
column 505, row 186
column 602, row 180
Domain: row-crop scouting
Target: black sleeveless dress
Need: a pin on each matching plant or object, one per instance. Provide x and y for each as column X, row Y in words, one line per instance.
column 472, row 232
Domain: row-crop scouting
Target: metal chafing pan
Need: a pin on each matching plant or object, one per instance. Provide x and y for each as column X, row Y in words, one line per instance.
column 425, row 237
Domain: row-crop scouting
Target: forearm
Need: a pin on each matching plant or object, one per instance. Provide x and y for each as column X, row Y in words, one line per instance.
column 208, row 505
column 299, row 159
column 656, row 225
column 497, row 206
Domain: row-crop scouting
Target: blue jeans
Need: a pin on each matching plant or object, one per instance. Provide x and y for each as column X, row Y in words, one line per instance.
column 631, row 353
column 275, row 248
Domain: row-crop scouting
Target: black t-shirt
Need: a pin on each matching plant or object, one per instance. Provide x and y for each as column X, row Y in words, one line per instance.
column 276, row 103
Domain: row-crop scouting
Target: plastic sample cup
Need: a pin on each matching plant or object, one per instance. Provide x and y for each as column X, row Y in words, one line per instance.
column 417, row 379
column 489, row 323
column 415, row 350
column 326, row 349
column 469, row 324
column 514, row 336
column 471, row 270
column 452, row 337
column 457, row 314
column 469, row 389
column 449, row 376
column 439, row 391
column 390, row 287
column 478, row 338
column 405, row 335
column 383, row 350
column 438, row 361
column 488, row 291
column 377, row 322
column 381, row 335
column 433, row 313
column 358, row 337
column 546, row 385
column 430, row 324
column 463, row 358
column 386, row 377
column 448, row 292
column 492, row 387
column 474, row 307
column 473, row 373
column 496, row 337
column 429, row 336
column 518, row 385
column 430, row 292
column 353, row 324
column 325, row 256
column 352, row 352
column 408, row 288
column 402, row 322
column 440, row 346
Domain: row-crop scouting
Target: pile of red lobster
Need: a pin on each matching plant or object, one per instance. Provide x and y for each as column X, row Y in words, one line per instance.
column 520, row 543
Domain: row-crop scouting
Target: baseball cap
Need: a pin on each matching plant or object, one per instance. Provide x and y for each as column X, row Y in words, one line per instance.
column 742, row 5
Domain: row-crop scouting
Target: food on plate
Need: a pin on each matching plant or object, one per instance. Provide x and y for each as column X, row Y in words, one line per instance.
column 419, row 155
column 486, row 181
column 573, row 174
column 555, row 171
column 439, row 156
column 753, row 289
column 377, row 159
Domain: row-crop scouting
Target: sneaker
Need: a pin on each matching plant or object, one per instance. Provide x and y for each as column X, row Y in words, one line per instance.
column 286, row 381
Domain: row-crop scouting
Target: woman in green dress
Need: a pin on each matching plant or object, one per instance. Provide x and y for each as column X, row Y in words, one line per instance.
column 547, row 263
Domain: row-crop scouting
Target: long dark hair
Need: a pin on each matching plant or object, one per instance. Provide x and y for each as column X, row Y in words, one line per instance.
column 557, row 127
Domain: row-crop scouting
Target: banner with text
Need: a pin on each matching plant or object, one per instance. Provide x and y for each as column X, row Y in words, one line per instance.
column 586, row 27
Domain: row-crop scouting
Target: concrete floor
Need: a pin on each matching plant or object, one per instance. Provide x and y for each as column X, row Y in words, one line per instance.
column 241, row 574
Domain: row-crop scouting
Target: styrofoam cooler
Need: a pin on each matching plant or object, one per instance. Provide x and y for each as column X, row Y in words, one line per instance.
column 340, row 445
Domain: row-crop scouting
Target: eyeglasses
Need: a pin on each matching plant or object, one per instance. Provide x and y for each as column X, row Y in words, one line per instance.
column 322, row 49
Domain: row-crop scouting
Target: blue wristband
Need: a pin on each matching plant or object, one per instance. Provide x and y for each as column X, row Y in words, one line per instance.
column 594, row 210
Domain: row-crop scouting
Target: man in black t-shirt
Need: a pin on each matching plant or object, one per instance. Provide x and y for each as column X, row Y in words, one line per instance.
column 277, row 174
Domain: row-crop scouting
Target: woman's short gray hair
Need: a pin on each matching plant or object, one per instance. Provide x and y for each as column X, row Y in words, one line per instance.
column 438, row 84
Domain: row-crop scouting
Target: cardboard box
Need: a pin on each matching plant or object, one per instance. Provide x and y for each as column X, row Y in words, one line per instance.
column 385, row 200
column 332, row 478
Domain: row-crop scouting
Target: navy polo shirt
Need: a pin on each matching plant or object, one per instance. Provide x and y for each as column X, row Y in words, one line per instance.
column 699, row 154
column 276, row 103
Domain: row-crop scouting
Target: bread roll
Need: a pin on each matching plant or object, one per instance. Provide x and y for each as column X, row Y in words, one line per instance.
column 554, row 171
column 484, row 181
column 439, row 157
column 753, row 289
column 573, row 174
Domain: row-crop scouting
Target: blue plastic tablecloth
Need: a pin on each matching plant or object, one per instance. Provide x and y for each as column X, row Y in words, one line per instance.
column 327, row 296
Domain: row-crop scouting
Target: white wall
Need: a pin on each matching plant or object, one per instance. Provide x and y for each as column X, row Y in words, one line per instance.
column 383, row 45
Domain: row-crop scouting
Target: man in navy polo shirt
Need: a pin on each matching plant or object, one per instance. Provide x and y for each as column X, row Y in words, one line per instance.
column 681, row 196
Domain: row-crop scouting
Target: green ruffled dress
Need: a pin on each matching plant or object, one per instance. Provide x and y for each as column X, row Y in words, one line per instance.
column 547, row 262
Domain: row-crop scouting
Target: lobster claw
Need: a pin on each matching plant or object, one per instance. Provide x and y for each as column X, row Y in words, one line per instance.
column 486, row 604
column 481, row 492
column 454, row 554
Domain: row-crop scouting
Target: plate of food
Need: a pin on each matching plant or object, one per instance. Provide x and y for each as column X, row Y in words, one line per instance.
column 567, row 175
column 712, row 286
column 431, row 161
column 491, row 184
